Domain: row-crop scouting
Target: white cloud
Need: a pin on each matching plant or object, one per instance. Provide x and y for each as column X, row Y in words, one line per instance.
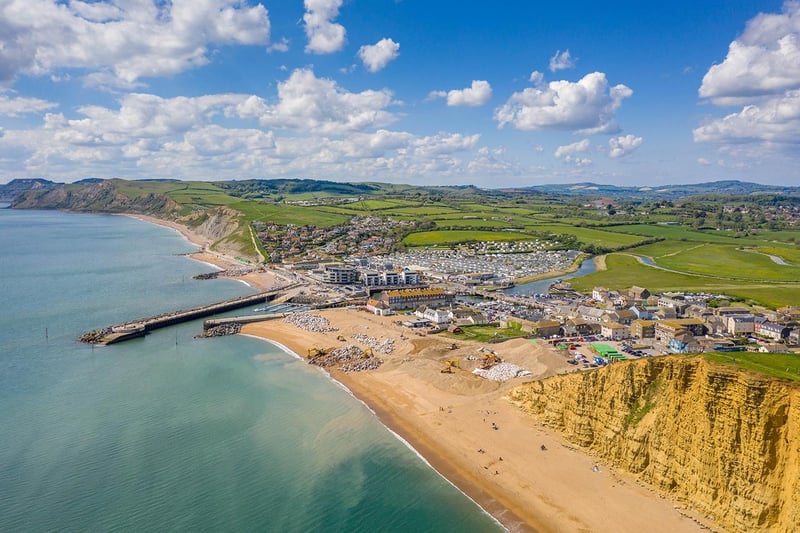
column 703, row 161
column 536, row 77
column 477, row 94
column 572, row 149
column 126, row 41
column 324, row 35
column 12, row 107
column 279, row 46
column 569, row 153
column 378, row 55
column 320, row 105
column 586, row 107
column 774, row 120
column 561, row 61
column 624, row 145
column 762, row 61
column 761, row 74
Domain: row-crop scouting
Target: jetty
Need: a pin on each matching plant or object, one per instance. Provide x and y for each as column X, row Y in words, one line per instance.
column 140, row 327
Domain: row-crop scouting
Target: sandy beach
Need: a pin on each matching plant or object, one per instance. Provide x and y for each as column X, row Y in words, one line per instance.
column 450, row 419
column 522, row 473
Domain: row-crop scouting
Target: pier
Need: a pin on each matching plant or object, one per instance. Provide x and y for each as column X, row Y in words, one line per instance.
column 139, row 328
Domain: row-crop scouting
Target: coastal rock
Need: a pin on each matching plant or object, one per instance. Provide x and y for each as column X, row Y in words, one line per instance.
column 725, row 442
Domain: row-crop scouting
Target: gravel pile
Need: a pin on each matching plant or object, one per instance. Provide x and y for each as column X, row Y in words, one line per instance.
column 381, row 346
column 309, row 322
column 502, row 372
column 343, row 354
column 360, row 366
column 350, row 357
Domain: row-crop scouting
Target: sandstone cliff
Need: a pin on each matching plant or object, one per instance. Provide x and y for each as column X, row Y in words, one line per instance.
column 725, row 442
column 97, row 197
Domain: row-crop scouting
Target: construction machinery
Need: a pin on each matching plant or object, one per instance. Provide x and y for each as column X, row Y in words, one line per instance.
column 450, row 366
column 489, row 360
column 341, row 338
column 367, row 353
column 316, row 352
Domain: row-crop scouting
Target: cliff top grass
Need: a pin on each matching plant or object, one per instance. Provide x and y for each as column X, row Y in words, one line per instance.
column 778, row 365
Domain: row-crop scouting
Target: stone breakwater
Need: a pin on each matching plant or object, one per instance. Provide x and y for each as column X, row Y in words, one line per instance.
column 231, row 328
column 722, row 441
column 229, row 273
column 309, row 322
column 351, row 358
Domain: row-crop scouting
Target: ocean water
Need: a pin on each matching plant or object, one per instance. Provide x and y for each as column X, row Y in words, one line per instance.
column 169, row 432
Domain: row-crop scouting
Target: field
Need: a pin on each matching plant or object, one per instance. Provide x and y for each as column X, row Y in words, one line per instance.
column 729, row 262
column 444, row 238
column 779, row 365
column 590, row 235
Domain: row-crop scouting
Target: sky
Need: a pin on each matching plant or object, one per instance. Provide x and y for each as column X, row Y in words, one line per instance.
column 435, row 92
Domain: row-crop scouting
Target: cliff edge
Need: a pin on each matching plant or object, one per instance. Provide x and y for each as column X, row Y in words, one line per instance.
column 725, row 442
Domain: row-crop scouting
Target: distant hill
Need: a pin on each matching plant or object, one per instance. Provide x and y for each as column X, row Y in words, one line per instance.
column 665, row 192
column 10, row 190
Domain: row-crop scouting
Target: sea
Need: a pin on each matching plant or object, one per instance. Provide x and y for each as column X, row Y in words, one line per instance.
column 172, row 432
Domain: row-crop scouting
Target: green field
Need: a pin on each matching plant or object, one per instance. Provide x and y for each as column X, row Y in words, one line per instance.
column 686, row 233
column 779, row 365
column 590, row 235
column 289, row 214
column 443, row 238
column 625, row 271
column 489, row 333
column 728, row 262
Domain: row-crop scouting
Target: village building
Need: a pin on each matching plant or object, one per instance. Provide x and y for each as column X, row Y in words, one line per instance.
column 614, row 331
column 794, row 337
column 412, row 298
column 339, row 274
column 772, row 331
column 670, row 329
column 439, row 317
column 590, row 314
column 468, row 317
column 638, row 294
column 623, row 316
column 643, row 329
column 578, row 327
column 545, row 328
column 743, row 324
column 378, row 307
column 684, row 343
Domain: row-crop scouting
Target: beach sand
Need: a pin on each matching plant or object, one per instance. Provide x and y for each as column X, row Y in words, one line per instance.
column 449, row 419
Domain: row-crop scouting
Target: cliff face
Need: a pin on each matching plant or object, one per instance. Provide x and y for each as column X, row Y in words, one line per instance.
column 96, row 197
column 725, row 442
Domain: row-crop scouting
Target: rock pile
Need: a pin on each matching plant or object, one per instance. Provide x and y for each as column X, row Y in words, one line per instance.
column 229, row 273
column 223, row 329
column 93, row 337
column 350, row 357
column 502, row 372
column 309, row 322
column 381, row 346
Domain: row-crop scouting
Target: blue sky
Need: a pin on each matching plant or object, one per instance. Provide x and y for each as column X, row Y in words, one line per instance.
column 499, row 94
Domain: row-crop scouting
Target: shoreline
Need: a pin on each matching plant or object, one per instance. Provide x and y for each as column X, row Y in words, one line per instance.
column 381, row 416
column 553, row 273
column 448, row 419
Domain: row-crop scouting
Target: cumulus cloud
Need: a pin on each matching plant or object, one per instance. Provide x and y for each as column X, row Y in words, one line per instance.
column 477, row 94
column 378, row 55
column 15, row 106
column 571, row 149
column 561, row 61
column 762, row 61
column 324, row 35
column 760, row 73
column 320, row 105
column 586, row 107
column 569, row 153
column 279, row 46
column 624, row 145
column 774, row 120
column 126, row 41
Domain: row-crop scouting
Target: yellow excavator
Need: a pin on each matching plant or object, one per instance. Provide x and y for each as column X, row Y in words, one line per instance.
column 341, row 338
column 315, row 352
column 450, row 366
column 489, row 360
column 367, row 353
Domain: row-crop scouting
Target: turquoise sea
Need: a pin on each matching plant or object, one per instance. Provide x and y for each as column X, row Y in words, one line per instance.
column 169, row 432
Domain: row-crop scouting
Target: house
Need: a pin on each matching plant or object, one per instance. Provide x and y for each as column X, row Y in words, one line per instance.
column 590, row 314
column 614, row 331
column 622, row 316
column 683, row 343
column 577, row 327
column 468, row 317
column 772, row 347
column 643, row 329
column 600, row 294
column 641, row 313
column 669, row 329
column 794, row 337
column 741, row 324
column 728, row 311
column 638, row 293
column 665, row 313
column 772, row 331
column 413, row 298
column 546, row 328
column 378, row 307
column 439, row 317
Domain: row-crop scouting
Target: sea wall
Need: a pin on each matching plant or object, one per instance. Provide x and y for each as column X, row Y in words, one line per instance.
column 725, row 442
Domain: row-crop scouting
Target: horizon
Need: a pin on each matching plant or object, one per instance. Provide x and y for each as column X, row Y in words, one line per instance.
column 401, row 92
